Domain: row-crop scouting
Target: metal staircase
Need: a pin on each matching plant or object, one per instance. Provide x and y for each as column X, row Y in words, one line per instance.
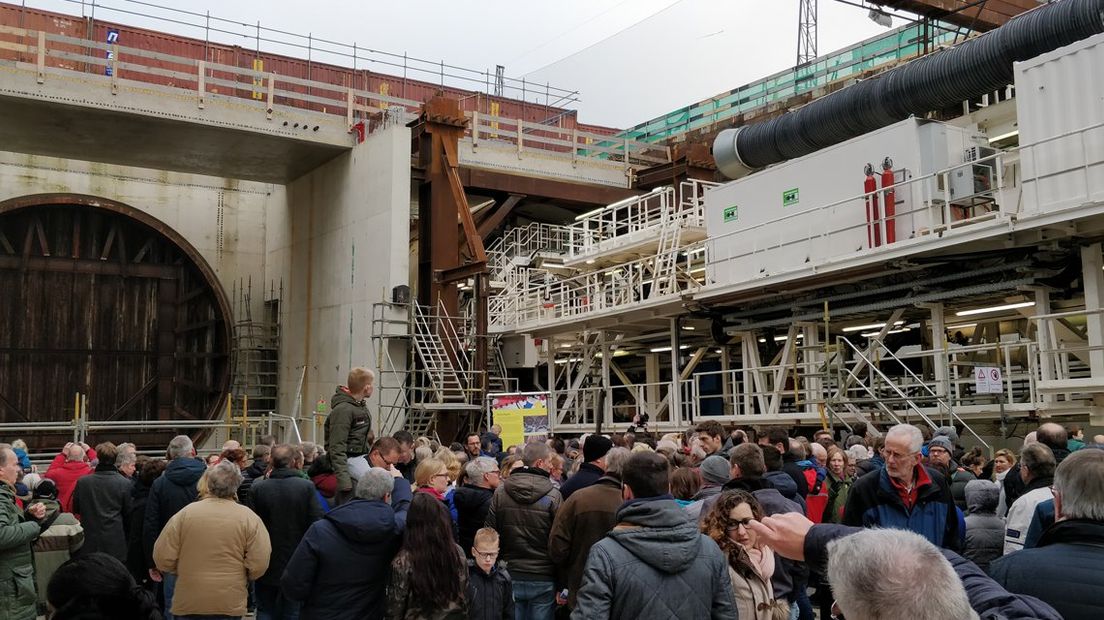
column 866, row 380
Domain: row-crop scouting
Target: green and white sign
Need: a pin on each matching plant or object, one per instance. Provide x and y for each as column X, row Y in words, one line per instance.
column 790, row 197
column 732, row 214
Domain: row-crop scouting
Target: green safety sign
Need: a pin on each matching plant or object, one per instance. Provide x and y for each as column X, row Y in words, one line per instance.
column 732, row 214
column 790, row 197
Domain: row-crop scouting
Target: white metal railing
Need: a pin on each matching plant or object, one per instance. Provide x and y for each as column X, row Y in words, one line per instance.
column 527, row 302
column 265, row 91
column 524, row 242
column 593, row 232
column 582, row 412
column 572, row 142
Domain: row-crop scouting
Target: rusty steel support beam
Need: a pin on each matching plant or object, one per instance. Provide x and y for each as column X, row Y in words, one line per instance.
column 583, row 194
column 442, row 202
column 503, row 209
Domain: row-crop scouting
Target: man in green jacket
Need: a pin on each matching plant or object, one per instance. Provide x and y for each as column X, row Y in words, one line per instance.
column 17, row 532
column 347, row 428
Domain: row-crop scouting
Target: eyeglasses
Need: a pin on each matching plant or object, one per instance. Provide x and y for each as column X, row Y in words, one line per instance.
column 836, row 614
column 888, row 454
column 737, row 524
column 441, row 475
column 486, row 555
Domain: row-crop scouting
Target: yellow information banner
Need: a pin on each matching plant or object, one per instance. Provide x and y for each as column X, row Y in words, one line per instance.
column 523, row 417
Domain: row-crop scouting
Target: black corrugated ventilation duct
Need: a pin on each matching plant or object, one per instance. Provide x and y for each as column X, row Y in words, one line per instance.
column 970, row 69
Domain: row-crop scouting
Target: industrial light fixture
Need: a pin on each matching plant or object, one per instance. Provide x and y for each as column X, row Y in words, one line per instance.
column 859, row 328
column 1022, row 304
column 689, row 328
column 590, row 261
column 1004, row 136
column 892, row 331
column 783, row 338
column 666, row 349
column 961, row 326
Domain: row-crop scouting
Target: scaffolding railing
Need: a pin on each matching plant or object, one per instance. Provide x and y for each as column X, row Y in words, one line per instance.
column 616, row 287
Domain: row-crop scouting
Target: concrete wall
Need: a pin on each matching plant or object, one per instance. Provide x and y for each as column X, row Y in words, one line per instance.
column 343, row 243
column 225, row 219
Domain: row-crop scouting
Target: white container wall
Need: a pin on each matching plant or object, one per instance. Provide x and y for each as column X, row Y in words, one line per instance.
column 811, row 210
column 1060, row 95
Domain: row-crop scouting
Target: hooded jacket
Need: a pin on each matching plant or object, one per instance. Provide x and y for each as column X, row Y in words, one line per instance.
column 340, row 568
column 987, row 597
column 655, row 564
column 17, row 597
column 1066, row 570
column 984, row 529
column 522, row 510
column 786, row 486
column 347, row 429
column 175, row 489
column 873, row 502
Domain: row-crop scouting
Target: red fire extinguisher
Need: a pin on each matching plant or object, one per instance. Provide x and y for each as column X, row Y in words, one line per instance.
column 889, row 200
column 873, row 213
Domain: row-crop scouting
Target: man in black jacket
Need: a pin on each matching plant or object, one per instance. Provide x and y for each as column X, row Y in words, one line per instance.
column 255, row 471
column 103, row 502
column 175, row 489
column 891, row 573
column 1066, row 568
column 595, row 448
column 474, row 498
column 287, row 503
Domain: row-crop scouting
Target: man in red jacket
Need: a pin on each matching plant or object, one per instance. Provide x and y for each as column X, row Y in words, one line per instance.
column 71, row 465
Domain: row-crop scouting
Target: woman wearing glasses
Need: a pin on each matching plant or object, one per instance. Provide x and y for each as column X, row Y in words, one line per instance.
column 432, row 478
column 750, row 562
column 427, row 581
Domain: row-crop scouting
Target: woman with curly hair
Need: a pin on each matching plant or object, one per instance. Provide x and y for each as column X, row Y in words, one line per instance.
column 429, row 576
column 750, row 561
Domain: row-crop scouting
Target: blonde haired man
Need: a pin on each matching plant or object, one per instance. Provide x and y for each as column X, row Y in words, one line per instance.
column 347, row 427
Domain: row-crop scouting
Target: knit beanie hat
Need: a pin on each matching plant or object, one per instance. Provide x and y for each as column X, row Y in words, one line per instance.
column 715, row 470
column 595, row 447
column 941, row 442
column 947, row 431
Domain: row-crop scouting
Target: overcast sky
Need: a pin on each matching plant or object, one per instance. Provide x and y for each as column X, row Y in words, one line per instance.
column 630, row 60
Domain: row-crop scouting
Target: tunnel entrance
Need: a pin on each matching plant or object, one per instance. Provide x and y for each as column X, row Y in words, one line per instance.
column 105, row 300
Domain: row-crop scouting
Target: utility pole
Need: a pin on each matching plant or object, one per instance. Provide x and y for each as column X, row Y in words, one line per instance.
column 806, row 31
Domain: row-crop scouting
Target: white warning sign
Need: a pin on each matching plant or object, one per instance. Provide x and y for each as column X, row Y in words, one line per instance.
column 987, row 380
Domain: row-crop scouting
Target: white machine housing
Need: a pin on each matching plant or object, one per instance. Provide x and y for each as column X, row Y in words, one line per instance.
column 810, row 210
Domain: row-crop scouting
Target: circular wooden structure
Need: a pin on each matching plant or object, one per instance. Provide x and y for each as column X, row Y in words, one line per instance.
column 103, row 299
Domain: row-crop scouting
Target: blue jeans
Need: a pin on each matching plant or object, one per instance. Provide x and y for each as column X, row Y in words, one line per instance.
column 534, row 600
column 168, row 583
column 272, row 605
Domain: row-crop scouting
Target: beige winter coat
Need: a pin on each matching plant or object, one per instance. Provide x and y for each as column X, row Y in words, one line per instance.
column 214, row 547
column 754, row 595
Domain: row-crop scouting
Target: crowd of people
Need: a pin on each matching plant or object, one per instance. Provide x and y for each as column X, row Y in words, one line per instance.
column 707, row 523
